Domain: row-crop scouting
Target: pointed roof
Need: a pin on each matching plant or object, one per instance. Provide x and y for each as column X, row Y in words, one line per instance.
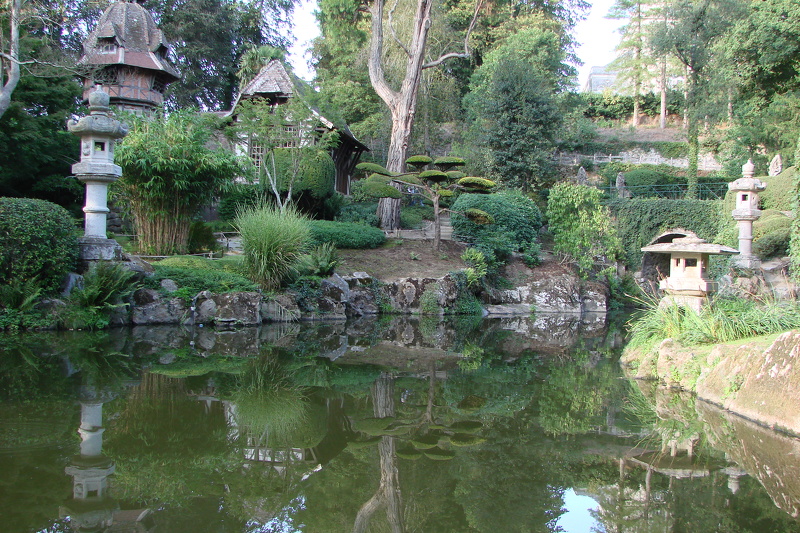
column 273, row 79
column 127, row 35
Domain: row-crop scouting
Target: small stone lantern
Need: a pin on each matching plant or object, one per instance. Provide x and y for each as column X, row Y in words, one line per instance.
column 746, row 212
column 687, row 283
column 98, row 132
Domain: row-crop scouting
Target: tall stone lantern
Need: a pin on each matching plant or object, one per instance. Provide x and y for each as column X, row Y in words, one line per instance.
column 746, row 212
column 98, row 132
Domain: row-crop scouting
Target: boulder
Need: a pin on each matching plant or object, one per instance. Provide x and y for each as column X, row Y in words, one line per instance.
column 150, row 308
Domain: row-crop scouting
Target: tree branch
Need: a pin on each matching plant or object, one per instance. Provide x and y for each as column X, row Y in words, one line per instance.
column 391, row 29
column 375, row 67
column 467, row 52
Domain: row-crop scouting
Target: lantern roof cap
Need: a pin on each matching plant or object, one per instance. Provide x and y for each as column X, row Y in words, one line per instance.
column 690, row 244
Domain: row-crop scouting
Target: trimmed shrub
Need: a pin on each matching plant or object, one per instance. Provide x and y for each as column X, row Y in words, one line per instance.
column 359, row 213
column 779, row 193
column 316, row 173
column 516, row 218
column 201, row 238
column 37, row 240
column 346, row 234
column 639, row 221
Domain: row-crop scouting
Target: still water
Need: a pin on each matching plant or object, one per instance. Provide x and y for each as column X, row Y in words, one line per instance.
column 401, row 425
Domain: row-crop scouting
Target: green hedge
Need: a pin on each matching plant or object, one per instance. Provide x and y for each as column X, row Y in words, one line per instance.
column 639, row 221
column 517, row 220
column 346, row 234
column 779, row 193
column 316, row 172
column 37, row 239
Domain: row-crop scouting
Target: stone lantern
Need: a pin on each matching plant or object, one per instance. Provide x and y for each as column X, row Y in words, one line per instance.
column 98, row 132
column 687, row 283
column 90, row 508
column 746, row 212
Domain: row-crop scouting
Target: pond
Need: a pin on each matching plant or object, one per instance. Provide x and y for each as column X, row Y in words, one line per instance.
column 391, row 424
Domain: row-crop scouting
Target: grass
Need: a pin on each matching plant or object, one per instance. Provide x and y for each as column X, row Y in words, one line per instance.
column 272, row 241
column 723, row 320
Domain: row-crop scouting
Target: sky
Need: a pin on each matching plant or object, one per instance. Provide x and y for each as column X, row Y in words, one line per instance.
column 597, row 38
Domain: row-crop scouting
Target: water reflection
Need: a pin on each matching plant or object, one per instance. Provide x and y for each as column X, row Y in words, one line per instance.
column 400, row 425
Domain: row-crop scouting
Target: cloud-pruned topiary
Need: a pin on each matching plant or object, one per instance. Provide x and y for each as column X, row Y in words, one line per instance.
column 516, row 221
column 37, row 240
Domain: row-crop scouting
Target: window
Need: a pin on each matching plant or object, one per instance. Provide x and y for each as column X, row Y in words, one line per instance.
column 256, row 152
column 691, row 262
column 159, row 85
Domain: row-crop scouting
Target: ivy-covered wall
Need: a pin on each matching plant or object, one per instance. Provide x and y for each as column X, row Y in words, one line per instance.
column 639, row 221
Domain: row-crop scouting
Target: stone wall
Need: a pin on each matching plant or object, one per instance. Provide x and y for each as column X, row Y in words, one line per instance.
column 339, row 298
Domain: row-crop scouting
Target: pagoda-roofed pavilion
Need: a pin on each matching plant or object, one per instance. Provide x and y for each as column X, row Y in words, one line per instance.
column 128, row 54
column 688, row 283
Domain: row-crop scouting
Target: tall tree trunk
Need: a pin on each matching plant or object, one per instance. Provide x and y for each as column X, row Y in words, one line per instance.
column 693, row 135
column 637, row 80
column 9, row 63
column 403, row 103
column 663, row 118
column 388, row 493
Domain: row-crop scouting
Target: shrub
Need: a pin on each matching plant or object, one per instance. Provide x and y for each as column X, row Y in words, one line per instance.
column 780, row 190
column 516, row 218
column 412, row 217
column 272, row 242
column 37, row 240
column 581, row 226
column 201, row 238
column 775, row 244
column 346, row 235
column 321, row 261
column 316, row 172
column 359, row 213
column 238, row 197
column 193, row 280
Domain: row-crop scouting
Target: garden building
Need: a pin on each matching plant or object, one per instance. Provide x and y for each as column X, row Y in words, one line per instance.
column 129, row 56
column 274, row 85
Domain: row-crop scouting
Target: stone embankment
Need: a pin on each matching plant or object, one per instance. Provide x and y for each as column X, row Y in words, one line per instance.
column 342, row 297
column 756, row 379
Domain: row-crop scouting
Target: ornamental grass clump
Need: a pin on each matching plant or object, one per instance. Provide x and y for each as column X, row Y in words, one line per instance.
column 272, row 241
column 723, row 320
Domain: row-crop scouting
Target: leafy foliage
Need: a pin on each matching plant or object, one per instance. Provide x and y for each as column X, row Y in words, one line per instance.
column 516, row 222
column 346, row 234
column 194, row 280
column 320, row 261
column 106, row 286
column 639, row 221
column 37, row 240
column 35, row 149
column 581, row 226
column 169, row 173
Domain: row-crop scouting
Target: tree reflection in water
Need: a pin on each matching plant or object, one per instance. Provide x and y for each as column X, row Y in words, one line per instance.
column 269, row 436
